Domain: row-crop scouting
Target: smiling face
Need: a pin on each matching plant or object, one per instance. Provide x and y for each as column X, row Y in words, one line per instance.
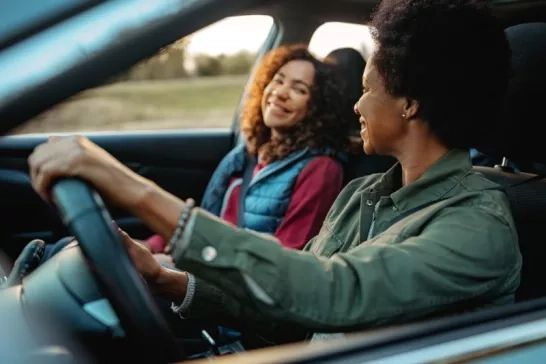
column 383, row 125
column 285, row 101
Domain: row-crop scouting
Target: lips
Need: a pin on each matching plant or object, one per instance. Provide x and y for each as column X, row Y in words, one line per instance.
column 362, row 123
column 275, row 106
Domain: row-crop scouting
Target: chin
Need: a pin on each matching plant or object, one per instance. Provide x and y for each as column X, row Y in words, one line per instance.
column 272, row 123
column 368, row 149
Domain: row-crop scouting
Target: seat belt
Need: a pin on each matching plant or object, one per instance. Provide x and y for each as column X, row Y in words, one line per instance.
column 248, row 171
column 538, row 177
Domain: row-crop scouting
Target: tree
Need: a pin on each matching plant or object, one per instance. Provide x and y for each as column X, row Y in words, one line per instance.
column 168, row 63
column 239, row 63
column 207, row 65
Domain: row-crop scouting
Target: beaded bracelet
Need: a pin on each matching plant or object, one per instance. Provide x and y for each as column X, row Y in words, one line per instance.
column 180, row 227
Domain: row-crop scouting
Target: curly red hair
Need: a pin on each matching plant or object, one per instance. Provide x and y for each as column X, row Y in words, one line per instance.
column 324, row 124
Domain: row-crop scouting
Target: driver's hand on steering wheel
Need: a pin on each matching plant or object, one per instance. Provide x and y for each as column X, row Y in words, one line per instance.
column 77, row 156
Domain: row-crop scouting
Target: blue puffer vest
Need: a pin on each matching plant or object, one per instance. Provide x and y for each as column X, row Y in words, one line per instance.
column 269, row 192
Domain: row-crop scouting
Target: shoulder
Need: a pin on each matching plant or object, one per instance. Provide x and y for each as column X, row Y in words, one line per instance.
column 486, row 197
column 321, row 164
column 482, row 229
column 481, row 212
column 322, row 170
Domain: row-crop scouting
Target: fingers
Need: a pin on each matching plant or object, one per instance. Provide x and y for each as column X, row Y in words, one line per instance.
column 127, row 240
column 48, row 162
column 164, row 259
column 44, row 177
column 40, row 167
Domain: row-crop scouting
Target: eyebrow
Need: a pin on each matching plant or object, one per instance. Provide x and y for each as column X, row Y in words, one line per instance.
column 296, row 80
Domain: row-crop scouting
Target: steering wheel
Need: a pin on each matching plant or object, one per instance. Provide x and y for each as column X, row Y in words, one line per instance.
column 86, row 216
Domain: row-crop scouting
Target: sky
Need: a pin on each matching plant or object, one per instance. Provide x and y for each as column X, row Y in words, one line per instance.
column 249, row 32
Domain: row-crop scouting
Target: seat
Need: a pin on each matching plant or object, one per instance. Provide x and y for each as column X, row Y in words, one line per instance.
column 518, row 137
column 351, row 64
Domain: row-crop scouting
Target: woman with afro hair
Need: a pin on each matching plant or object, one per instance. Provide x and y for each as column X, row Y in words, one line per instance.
column 429, row 237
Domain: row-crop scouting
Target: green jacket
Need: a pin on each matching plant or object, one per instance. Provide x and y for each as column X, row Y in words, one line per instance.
column 460, row 253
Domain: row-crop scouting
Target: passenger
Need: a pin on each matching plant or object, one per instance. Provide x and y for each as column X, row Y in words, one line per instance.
column 429, row 237
column 295, row 124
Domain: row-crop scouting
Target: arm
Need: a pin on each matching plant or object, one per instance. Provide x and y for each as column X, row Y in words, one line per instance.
column 370, row 284
column 367, row 286
column 315, row 191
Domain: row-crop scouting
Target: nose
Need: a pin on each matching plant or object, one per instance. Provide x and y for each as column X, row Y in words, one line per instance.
column 355, row 108
column 281, row 91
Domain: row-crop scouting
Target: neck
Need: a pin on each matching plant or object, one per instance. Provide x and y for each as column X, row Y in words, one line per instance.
column 418, row 156
column 275, row 134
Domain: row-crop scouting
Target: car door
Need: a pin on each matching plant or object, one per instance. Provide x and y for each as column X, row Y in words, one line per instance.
column 169, row 118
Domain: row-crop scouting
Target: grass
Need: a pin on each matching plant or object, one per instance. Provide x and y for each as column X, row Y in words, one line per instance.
column 207, row 102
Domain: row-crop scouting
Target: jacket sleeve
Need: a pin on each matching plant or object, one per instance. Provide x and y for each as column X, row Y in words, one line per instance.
column 371, row 284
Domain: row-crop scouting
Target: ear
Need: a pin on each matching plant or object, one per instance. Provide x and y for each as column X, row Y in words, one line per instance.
column 410, row 108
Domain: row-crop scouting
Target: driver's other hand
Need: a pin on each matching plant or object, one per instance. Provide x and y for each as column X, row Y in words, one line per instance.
column 164, row 259
column 77, row 156
column 144, row 261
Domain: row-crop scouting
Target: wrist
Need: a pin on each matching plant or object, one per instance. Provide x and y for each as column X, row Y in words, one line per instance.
column 171, row 284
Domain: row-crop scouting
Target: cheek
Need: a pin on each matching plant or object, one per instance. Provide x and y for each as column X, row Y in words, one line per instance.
column 302, row 104
column 264, row 97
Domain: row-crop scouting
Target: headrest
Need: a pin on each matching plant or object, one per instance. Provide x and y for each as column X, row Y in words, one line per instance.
column 519, row 135
column 351, row 66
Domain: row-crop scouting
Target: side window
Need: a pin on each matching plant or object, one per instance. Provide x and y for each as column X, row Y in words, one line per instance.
column 194, row 83
column 334, row 35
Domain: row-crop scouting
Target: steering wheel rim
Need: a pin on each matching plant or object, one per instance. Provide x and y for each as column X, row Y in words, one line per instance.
column 84, row 213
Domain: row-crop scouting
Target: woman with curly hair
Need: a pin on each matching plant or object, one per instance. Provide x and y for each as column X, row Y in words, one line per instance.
column 429, row 237
column 296, row 137
column 296, row 134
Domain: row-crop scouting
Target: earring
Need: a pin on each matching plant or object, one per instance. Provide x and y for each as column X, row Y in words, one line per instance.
column 404, row 115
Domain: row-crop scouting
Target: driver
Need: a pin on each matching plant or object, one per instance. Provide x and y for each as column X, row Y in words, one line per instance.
column 429, row 237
